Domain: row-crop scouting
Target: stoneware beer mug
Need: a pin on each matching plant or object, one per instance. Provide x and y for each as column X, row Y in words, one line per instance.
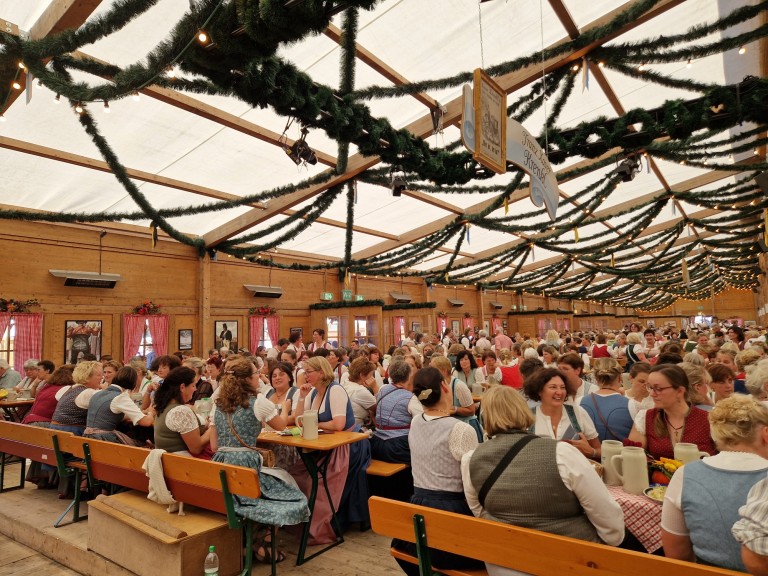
column 686, row 452
column 610, row 448
column 307, row 423
column 632, row 468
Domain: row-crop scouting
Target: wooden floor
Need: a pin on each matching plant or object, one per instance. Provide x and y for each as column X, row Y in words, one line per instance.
column 19, row 560
column 31, row 546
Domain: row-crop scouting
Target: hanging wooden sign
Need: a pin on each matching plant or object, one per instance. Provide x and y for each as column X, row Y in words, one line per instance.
column 520, row 147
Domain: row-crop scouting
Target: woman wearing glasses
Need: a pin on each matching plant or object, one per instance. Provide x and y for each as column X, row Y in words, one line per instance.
column 672, row 419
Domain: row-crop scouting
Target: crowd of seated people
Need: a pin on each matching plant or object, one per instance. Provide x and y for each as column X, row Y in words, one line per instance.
column 451, row 407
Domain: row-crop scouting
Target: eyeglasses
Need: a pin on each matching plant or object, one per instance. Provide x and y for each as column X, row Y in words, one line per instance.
column 656, row 389
column 309, row 371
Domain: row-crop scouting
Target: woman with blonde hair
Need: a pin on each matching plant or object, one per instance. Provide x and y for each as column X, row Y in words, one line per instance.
column 698, row 385
column 607, row 406
column 345, row 475
column 757, row 380
column 238, row 420
column 634, row 351
column 549, row 486
column 703, row 499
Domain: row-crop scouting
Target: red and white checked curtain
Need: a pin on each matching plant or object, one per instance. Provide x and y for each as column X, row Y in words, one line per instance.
column 5, row 321
column 29, row 337
column 158, row 329
column 496, row 325
column 133, row 332
column 467, row 322
column 442, row 324
column 399, row 328
column 273, row 329
column 256, row 328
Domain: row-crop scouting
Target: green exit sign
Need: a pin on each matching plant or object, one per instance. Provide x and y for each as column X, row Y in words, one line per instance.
column 359, row 297
column 326, row 295
column 346, row 295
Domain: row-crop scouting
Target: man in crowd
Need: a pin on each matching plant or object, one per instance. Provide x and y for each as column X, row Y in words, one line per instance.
column 276, row 352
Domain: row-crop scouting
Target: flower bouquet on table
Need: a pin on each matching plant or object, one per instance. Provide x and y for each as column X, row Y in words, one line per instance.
column 662, row 470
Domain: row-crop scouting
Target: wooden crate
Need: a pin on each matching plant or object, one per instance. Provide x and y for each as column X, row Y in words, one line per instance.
column 146, row 551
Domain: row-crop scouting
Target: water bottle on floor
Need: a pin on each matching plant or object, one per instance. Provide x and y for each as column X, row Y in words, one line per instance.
column 212, row 562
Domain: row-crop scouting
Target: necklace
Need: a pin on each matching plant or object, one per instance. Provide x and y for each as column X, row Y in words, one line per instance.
column 677, row 431
column 438, row 411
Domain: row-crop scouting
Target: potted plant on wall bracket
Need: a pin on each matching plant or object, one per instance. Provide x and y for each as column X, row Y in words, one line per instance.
column 467, row 315
column 442, row 314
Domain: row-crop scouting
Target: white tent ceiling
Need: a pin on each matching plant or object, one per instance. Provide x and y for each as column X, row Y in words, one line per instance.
column 184, row 149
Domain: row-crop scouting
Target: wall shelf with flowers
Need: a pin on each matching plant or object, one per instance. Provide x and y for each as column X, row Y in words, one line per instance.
column 262, row 311
column 147, row 308
column 17, row 306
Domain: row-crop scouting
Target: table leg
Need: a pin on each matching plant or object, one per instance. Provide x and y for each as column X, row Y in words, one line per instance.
column 317, row 468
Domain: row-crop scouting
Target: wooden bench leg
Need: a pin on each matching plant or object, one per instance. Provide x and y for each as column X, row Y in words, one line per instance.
column 6, row 459
column 74, row 505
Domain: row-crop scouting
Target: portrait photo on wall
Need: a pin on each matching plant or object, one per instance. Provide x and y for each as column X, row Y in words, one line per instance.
column 226, row 334
column 83, row 341
column 185, row 339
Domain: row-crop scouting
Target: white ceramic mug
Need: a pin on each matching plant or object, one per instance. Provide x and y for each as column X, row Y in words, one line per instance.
column 632, row 468
column 26, row 394
column 610, row 448
column 307, row 423
column 686, row 452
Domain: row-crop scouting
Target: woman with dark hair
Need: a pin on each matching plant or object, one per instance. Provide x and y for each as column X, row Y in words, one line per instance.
column 465, row 369
column 672, row 419
column 549, row 486
column 736, row 335
column 318, row 341
column 238, row 420
column 437, row 443
column 285, row 396
column 177, row 428
column 109, row 407
column 40, row 415
column 361, row 387
column 557, row 420
column 345, row 476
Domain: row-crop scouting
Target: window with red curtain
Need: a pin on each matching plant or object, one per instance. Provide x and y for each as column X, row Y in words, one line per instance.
column 133, row 332
column 399, row 329
column 467, row 322
column 256, row 331
column 496, row 325
column 158, row 328
column 442, row 324
column 24, row 338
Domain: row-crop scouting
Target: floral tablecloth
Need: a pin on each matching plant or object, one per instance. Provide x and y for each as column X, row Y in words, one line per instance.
column 642, row 517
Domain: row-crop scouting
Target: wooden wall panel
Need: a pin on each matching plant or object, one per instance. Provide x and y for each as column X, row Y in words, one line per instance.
column 195, row 291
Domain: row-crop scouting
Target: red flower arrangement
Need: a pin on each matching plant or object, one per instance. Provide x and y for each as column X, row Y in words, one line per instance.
column 262, row 311
column 147, row 308
column 19, row 306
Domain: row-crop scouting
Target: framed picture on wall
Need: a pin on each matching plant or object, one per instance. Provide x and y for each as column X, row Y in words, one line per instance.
column 83, row 340
column 226, row 334
column 456, row 326
column 185, row 339
column 416, row 327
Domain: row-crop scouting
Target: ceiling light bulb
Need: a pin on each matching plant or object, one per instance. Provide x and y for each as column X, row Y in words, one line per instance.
column 689, row 64
column 57, row 98
column 641, row 67
column 21, row 65
column 106, row 107
column 202, row 37
column 171, row 73
column 16, row 85
column 743, row 50
column 601, row 64
column 79, row 108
